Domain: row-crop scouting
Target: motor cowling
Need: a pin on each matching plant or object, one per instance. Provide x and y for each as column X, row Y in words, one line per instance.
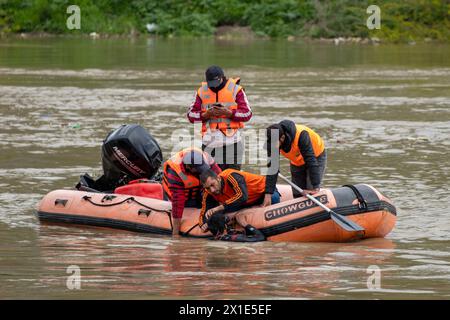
column 128, row 153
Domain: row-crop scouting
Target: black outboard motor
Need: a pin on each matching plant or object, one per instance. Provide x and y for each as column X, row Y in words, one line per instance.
column 128, row 153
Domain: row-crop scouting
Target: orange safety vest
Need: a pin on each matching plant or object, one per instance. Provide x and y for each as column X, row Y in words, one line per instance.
column 295, row 155
column 227, row 97
column 191, row 182
column 255, row 187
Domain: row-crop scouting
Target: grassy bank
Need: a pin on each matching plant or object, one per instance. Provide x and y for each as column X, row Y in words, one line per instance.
column 401, row 21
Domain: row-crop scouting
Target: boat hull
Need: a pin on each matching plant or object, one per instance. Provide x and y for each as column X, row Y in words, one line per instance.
column 294, row 220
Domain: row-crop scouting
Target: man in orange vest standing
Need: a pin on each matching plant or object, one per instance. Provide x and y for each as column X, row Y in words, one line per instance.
column 306, row 151
column 181, row 184
column 222, row 107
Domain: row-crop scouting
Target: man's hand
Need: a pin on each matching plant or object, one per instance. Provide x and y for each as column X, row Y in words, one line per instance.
column 208, row 114
column 222, row 111
column 312, row 191
column 217, row 111
column 209, row 214
column 267, row 200
column 176, row 223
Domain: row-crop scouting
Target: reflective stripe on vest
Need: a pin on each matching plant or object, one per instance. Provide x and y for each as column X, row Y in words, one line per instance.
column 219, row 120
column 294, row 154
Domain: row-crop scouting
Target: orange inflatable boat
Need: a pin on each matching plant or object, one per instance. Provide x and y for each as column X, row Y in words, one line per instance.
column 298, row 220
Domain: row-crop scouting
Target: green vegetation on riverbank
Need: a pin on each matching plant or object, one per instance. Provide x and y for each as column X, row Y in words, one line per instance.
column 401, row 20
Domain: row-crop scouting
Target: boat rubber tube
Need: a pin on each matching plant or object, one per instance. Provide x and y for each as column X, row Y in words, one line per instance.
column 296, row 220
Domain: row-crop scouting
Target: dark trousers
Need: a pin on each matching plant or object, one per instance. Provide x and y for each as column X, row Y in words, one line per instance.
column 227, row 157
column 300, row 175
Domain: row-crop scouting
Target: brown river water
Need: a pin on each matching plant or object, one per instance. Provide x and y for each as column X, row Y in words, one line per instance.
column 384, row 112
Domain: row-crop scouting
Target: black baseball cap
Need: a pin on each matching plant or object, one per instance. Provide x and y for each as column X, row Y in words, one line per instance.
column 195, row 160
column 213, row 75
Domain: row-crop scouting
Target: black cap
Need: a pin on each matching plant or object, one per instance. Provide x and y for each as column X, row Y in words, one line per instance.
column 213, row 75
column 196, row 160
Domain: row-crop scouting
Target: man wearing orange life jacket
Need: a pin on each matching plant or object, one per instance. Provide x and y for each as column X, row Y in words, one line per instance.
column 181, row 183
column 306, row 151
column 222, row 107
column 230, row 191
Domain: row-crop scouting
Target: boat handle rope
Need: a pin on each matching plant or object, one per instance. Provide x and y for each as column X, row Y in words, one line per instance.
column 88, row 198
column 362, row 203
column 192, row 228
column 169, row 213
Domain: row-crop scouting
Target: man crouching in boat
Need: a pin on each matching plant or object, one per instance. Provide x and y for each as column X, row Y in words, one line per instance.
column 306, row 151
column 227, row 192
column 181, row 182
